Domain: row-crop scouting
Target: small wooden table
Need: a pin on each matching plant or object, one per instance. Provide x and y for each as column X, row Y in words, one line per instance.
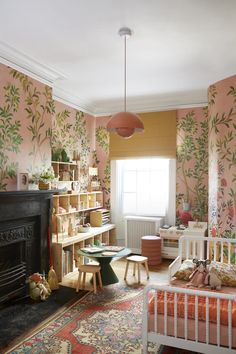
column 107, row 273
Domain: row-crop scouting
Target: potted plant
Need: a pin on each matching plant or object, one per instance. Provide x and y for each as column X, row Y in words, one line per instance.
column 46, row 177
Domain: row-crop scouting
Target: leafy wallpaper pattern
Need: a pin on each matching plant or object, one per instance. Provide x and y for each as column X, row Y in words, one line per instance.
column 72, row 130
column 32, row 123
column 101, row 158
column 222, row 158
column 25, row 114
column 192, row 163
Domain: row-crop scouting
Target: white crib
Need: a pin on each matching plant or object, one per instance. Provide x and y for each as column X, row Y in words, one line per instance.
column 194, row 334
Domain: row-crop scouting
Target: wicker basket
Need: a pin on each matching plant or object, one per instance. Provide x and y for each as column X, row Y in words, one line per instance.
column 44, row 186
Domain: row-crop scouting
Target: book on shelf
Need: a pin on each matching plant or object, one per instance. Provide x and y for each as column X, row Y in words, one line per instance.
column 67, row 262
column 99, row 217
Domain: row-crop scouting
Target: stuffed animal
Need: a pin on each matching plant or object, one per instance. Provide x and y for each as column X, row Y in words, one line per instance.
column 39, row 287
column 197, row 277
column 213, row 280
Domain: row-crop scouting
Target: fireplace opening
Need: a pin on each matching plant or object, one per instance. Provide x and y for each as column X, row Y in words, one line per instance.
column 25, row 220
column 13, row 269
column 19, row 256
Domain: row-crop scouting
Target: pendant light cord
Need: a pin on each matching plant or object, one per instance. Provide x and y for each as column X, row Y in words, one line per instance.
column 125, row 73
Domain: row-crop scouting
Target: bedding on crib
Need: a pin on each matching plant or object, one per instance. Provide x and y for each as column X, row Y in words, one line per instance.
column 198, row 319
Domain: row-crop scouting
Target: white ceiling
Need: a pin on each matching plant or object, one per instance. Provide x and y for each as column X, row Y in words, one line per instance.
column 178, row 48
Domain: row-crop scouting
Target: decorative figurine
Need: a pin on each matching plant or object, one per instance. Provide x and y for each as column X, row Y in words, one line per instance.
column 39, row 287
column 52, row 279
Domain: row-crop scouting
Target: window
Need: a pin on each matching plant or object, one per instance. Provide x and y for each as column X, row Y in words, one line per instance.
column 144, row 187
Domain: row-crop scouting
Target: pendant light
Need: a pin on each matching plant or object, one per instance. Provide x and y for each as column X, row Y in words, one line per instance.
column 125, row 123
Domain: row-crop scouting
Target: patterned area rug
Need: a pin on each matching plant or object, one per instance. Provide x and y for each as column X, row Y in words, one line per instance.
column 106, row 323
column 21, row 316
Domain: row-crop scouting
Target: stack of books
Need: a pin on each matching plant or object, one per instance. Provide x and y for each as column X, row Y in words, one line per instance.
column 99, row 217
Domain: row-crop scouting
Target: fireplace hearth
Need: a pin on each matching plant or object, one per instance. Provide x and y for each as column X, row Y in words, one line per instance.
column 24, row 226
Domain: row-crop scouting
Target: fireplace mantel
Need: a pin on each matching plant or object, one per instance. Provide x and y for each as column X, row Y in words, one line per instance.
column 24, row 238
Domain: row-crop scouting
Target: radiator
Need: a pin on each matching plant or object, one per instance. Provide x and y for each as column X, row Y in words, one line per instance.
column 138, row 226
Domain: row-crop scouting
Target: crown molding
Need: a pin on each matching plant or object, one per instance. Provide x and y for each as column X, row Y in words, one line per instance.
column 71, row 100
column 154, row 104
column 27, row 65
column 47, row 75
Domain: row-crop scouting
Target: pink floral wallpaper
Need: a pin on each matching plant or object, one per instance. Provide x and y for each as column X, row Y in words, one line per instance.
column 192, row 165
column 26, row 107
column 73, row 130
column 222, row 158
column 101, row 157
column 32, row 125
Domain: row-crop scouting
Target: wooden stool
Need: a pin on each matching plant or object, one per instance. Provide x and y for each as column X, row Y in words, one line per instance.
column 137, row 260
column 89, row 268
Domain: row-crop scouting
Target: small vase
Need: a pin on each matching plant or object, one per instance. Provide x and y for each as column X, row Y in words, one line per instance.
column 33, row 186
column 186, row 206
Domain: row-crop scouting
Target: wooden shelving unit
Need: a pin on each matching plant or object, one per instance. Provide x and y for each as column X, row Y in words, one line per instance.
column 66, row 171
column 64, row 253
column 77, row 202
column 69, row 210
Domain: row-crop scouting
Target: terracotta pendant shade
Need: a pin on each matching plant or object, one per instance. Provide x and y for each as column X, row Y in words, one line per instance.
column 125, row 124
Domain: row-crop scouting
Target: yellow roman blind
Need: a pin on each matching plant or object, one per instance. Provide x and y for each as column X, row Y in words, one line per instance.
column 158, row 138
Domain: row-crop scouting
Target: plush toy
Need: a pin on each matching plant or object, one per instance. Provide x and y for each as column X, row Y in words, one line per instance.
column 44, row 293
column 197, row 277
column 213, row 280
column 39, row 287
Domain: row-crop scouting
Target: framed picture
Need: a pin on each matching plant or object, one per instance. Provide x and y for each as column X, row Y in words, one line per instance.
column 22, row 181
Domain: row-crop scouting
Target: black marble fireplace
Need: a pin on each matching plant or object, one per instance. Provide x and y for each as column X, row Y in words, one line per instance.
column 24, row 242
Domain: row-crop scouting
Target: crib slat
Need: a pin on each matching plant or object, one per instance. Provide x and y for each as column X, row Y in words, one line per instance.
column 196, row 318
column 230, row 323
column 185, row 316
column 155, row 311
column 194, row 254
column 221, row 252
column 200, row 245
column 187, row 249
column 165, row 313
column 229, row 249
column 208, row 249
column 218, row 322
column 207, row 320
column 214, row 251
column 175, row 315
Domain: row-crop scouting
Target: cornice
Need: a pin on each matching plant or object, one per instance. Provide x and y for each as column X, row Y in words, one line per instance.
column 154, row 104
column 47, row 75
column 73, row 101
column 27, row 65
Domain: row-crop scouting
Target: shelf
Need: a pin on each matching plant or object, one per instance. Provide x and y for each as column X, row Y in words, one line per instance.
column 77, row 211
column 66, row 171
column 81, row 236
column 64, row 163
column 80, row 202
column 65, row 255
